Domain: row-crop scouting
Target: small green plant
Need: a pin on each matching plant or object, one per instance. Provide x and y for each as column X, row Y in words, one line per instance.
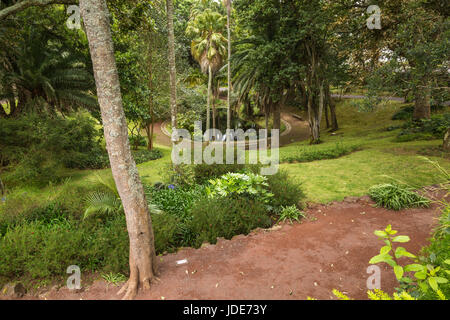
column 114, row 278
column 396, row 197
column 425, row 275
column 290, row 213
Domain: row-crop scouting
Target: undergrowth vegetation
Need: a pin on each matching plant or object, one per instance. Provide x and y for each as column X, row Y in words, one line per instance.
column 38, row 243
column 396, row 197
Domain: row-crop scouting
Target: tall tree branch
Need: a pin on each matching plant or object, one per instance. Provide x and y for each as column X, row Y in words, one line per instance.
column 22, row 5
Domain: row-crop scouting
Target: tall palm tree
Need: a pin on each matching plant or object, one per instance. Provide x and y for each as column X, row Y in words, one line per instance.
column 208, row 46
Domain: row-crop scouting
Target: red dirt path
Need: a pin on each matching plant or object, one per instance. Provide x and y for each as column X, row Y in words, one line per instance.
column 331, row 250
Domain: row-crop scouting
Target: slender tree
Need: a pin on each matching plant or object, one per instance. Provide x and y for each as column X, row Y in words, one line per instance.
column 142, row 251
column 228, row 4
column 208, row 47
column 172, row 66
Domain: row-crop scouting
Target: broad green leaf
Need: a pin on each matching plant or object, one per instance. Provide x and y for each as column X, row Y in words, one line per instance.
column 380, row 233
column 391, row 262
column 420, row 275
column 414, row 267
column 423, row 286
column 440, row 280
column 401, row 252
column 398, row 270
column 433, row 283
column 379, row 258
column 385, row 249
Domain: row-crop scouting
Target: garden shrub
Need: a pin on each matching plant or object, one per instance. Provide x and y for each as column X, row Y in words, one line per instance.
column 425, row 129
column 396, row 197
column 286, row 191
column 187, row 175
column 406, row 113
column 167, row 232
column 238, row 185
column 141, row 156
column 175, row 200
column 438, row 251
column 226, row 217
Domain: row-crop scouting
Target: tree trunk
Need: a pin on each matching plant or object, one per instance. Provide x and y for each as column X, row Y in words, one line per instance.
column 149, row 127
column 332, row 105
column 214, row 113
column 447, row 141
column 326, row 116
column 422, row 108
column 208, row 99
column 315, row 115
column 277, row 116
column 229, row 68
column 142, row 251
column 172, row 66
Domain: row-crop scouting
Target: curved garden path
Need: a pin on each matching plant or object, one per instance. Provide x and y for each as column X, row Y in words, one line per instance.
column 330, row 249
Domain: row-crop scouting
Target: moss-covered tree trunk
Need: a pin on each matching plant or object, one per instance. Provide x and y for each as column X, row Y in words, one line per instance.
column 142, row 251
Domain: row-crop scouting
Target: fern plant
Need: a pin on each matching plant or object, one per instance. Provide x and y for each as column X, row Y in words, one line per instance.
column 102, row 203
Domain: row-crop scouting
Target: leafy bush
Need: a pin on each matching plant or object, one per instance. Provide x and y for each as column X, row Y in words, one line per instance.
column 177, row 201
column 187, row 175
column 34, row 146
column 406, row 113
column 166, row 228
column 286, row 191
column 367, row 104
column 42, row 250
column 424, row 129
column 396, row 197
column 226, row 217
column 426, row 276
column 238, row 185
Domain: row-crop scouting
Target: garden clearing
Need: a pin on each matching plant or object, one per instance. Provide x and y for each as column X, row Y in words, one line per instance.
column 328, row 250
